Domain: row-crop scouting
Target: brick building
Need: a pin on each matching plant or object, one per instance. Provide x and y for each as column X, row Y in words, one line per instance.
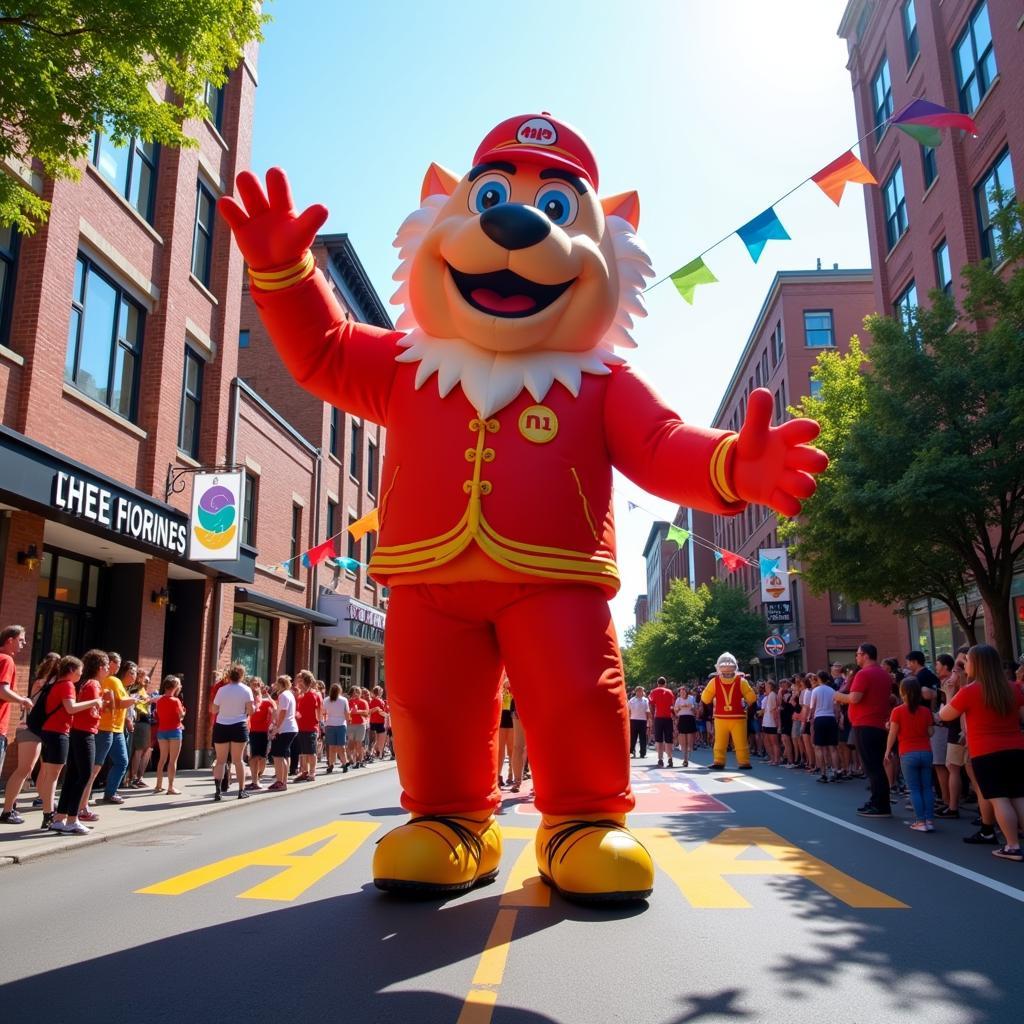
column 803, row 313
column 931, row 214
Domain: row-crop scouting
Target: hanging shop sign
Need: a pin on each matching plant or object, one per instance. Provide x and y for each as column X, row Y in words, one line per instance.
column 214, row 532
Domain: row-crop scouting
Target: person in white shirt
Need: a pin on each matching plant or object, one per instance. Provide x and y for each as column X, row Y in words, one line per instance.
column 335, row 712
column 233, row 704
column 639, row 721
column 685, row 710
column 770, row 721
column 284, row 727
column 825, row 728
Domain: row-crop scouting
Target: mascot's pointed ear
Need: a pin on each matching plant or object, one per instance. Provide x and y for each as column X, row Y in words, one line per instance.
column 625, row 205
column 438, row 181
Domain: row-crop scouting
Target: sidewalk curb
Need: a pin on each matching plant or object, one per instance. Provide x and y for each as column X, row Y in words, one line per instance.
column 187, row 814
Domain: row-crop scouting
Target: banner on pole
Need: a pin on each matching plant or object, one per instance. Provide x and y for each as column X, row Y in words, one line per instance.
column 213, row 529
column 774, row 567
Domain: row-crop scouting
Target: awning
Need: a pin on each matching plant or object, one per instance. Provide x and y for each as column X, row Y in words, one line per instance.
column 246, row 598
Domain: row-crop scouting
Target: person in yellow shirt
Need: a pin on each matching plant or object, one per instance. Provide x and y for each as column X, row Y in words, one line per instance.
column 727, row 690
column 110, row 740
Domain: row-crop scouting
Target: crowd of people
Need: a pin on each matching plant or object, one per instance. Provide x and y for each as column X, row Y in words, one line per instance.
column 80, row 717
column 945, row 740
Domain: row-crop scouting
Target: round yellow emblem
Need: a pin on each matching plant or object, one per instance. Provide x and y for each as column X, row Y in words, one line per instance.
column 538, row 424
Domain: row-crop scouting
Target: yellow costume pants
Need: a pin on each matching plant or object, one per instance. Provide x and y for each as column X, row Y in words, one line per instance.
column 737, row 729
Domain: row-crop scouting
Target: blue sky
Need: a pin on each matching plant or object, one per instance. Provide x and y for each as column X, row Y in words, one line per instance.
column 711, row 111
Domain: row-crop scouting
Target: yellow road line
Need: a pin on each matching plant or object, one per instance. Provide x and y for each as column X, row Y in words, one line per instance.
column 478, row 1007
column 524, row 887
column 492, row 961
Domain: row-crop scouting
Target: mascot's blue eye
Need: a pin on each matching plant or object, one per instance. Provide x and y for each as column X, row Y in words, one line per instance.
column 558, row 204
column 491, row 194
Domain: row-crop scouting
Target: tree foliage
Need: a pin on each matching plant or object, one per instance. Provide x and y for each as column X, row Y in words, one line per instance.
column 925, row 491
column 683, row 641
column 71, row 67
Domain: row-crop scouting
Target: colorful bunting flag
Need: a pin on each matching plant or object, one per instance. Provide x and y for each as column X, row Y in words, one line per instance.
column 361, row 527
column 686, row 279
column 314, row 556
column 349, row 564
column 732, row 560
column 768, row 565
column 718, row 556
column 832, row 180
column 922, row 133
column 630, row 505
column 933, row 115
column 763, row 228
column 678, row 536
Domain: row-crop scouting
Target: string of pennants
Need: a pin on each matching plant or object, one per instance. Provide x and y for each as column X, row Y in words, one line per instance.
column 920, row 119
column 325, row 551
column 730, row 559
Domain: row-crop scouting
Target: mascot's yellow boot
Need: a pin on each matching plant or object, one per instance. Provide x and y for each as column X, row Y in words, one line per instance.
column 437, row 854
column 593, row 858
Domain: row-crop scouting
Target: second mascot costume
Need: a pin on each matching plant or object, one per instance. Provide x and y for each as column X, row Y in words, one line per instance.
column 727, row 690
column 506, row 408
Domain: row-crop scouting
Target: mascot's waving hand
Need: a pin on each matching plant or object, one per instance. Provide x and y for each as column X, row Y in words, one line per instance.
column 506, row 407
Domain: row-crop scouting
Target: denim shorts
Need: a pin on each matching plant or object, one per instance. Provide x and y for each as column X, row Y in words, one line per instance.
column 169, row 734
column 337, row 735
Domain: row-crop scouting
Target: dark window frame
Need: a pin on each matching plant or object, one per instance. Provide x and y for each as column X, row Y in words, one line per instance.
column 940, row 269
column 216, row 109
column 910, row 37
column 332, row 517
column 196, row 400
column 250, row 507
column 882, row 108
column 352, row 546
column 818, row 330
column 334, row 431
column 9, row 262
column 136, row 155
column 243, row 338
column 979, row 75
column 372, row 477
column 929, row 166
column 355, row 453
column 982, row 204
column 836, row 603
column 896, row 218
column 202, row 274
column 78, row 306
column 902, row 306
column 294, row 564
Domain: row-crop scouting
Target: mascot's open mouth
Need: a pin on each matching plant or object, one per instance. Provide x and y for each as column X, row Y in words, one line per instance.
column 504, row 293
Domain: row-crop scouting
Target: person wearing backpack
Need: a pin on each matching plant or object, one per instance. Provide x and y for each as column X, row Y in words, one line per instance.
column 51, row 718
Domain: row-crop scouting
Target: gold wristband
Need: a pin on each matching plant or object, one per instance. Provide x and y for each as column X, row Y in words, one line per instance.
column 719, row 474
column 275, row 280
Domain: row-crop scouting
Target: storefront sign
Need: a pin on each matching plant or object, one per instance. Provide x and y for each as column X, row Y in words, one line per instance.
column 88, row 500
column 355, row 620
column 777, row 612
column 216, row 501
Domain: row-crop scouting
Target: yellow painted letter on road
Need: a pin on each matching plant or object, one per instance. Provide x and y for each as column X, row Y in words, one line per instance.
column 300, row 870
column 700, row 872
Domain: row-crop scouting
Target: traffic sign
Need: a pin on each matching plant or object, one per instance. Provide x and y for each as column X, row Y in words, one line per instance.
column 774, row 646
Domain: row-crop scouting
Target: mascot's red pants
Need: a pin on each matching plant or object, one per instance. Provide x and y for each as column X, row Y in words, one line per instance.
column 445, row 646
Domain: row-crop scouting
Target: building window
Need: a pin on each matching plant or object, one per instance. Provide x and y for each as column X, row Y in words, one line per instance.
column 335, row 432
column 371, row 469
column 370, row 543
column 8, row 262
column 782, row 392
column 764, row 367
column 250, row 643
column 815, row 387
column 943, row 270
column 818, row 328
column 131, row 169
column 213, row 97
column 249, row 510
column 778, row 407
column 355, row 439
column 931, row 166
column 910, row 31
column 991, row 194
column 243, row 339
column 841, row 609
column 353, row 544
column 895, row 206
column 191, row 404
column 906, row 305
column 975, row 60
column 881, row 95
column 295, row 548
column 202, row 238
column 104, row 340
column 332, row 517
column 757, row 374
column 778, row 344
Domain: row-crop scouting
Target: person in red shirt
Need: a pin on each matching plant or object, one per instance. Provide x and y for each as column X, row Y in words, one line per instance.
column 378, row 714
column 911, row 725
column 170, row 729
column 60, row 707
column 358, row 713
column 662, row 699
column 12, row 640
column 992, row 709
column 81, row 745
column 259, row 731
column 870, row 701
column 309, row 710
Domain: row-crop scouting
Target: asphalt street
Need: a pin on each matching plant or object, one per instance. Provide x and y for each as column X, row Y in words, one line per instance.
column 773, row 902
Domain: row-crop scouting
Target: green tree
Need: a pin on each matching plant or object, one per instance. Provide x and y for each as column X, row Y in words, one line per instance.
column 925, row 491
column 692, row 629
column 71, row 67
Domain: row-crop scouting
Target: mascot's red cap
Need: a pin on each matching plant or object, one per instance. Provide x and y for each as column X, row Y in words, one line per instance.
column 539, row 138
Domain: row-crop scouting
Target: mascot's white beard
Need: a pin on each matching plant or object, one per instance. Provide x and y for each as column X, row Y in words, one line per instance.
column 490, row 380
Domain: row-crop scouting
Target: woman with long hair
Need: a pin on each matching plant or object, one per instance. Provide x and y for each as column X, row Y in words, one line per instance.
column 263, row 709
column 810, row 680
column 28, row 744
column 335, row 713
column 283, row 729
column 992, row 709
column 170, row 729
column 81, row 746
column 770, row 721
column 505, row 733
column 685, row 709
column 910, row 725
column 233, row 705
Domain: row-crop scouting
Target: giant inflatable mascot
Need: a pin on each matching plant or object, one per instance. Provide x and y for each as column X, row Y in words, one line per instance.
column 507, row 407
column 727, row 690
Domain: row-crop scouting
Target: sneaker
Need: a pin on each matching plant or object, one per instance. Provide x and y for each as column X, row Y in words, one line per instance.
column 1008, row 853
column 873, row 812
column 47, row 822
column 661, row 764
column 976, row 820
column 38, row 802
column 330, row 769
column 670, row 764
column 920, row 826
column 250, row 787
column 243, row 795
column 88, row 816
column 344, row 768
column 822, row 777
column 514, row 788
column 11, row 818
column 277, row 787
column 77, row 829
column 61, row 826
column 115, row 799
column 686, row 764
column 981, row 838
column 947, row 812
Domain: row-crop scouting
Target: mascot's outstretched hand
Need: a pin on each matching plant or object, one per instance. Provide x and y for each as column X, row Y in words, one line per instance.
column 269, row 232
column 773, row 465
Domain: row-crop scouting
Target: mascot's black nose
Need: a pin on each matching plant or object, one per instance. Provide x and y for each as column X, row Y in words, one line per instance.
column 515, row 225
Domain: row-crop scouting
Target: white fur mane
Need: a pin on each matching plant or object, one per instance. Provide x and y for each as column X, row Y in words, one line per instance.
column 490, row 380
